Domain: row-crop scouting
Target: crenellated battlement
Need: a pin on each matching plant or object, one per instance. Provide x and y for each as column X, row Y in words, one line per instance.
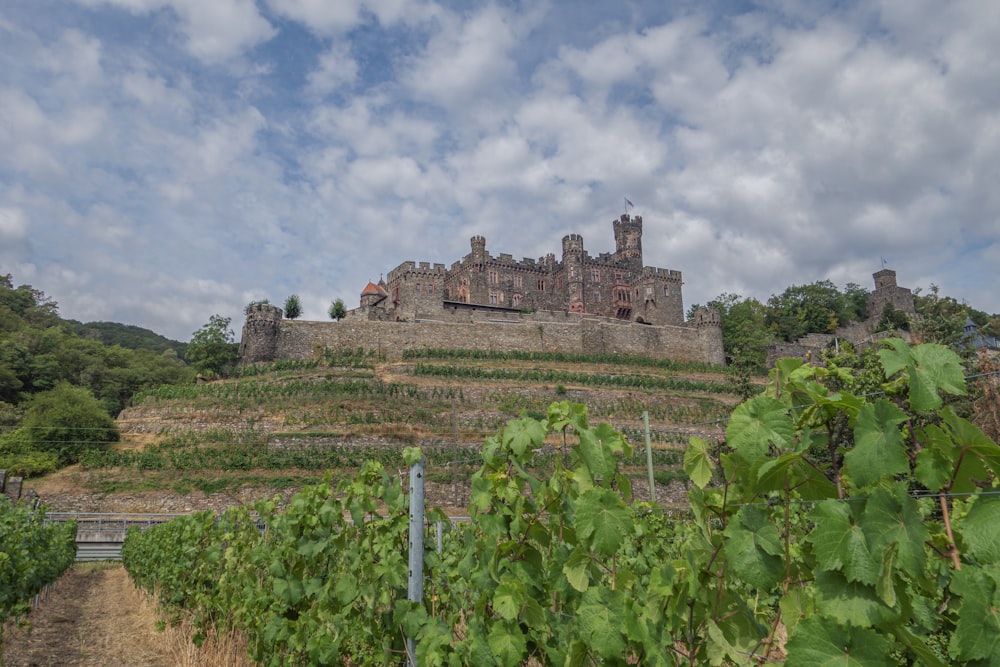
column 609, row 301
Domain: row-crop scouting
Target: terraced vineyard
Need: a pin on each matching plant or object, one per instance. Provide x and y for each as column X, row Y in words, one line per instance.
column 283, row 425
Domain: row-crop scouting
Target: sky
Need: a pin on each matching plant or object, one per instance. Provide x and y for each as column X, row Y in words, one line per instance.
column 162, row 161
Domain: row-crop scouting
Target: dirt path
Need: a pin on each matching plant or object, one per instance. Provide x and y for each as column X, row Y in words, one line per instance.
column 93, row 617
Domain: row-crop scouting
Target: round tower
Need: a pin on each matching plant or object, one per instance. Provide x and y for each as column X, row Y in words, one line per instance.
column 573, row 271
column 628, row 239
column 261, row 332
column 478, row 247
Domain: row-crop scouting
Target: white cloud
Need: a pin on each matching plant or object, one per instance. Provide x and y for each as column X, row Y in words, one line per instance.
column 336, row 69
column 213, row 31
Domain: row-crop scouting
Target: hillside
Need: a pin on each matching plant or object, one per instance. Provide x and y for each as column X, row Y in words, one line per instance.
column 283, row 425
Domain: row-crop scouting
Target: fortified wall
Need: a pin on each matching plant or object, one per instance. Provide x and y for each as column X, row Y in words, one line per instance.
column 269, row 337
column 605, row 304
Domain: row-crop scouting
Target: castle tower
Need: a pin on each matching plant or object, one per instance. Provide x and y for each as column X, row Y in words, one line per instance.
column 478, row 249
column 628, row 240
column 573, row 271
column 261, row 333
column 886, row 278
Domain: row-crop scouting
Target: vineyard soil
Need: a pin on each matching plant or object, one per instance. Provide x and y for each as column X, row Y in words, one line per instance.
column 93, row 617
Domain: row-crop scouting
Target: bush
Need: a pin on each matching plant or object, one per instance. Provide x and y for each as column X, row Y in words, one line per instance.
column 64, row 422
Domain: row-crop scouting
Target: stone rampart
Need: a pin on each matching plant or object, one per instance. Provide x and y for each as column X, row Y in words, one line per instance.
column 481, row 330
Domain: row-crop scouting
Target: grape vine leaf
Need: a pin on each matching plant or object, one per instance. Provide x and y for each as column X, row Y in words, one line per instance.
column 603, row 519
column 520, row 434
column 840, row 544
column 977, row 634
column 697, row 462
column 753, row 548
column 980, row 530
column 507, row 643
column 930, row 368
column 757, row 423
column 600, row 617
column 822, row 642
column 576, row 568
column 878, row 444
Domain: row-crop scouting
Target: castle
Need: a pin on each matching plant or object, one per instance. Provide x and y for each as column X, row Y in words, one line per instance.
column 887, row 293
column 584, row 304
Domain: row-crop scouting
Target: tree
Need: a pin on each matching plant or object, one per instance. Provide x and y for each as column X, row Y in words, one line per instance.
column 815, row 308
column 293, row 307
column 212, row 348
column 66, row 421
column 337, row 310
column 941, row 318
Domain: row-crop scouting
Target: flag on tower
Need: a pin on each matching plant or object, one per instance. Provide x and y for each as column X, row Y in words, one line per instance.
column 628, row 205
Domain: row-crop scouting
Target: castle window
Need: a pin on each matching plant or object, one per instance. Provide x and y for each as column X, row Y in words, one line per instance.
column 572, row 272
column 494, row 299
column 517, row 282
column 516, row 301
column 494, row 277
column 417, row 288
column 619, row 277
column 666, row 290
column 597, row 296
column 649, row 291
column 559, row 282
column 541, row 285
column 595, row 275
column 430, row 288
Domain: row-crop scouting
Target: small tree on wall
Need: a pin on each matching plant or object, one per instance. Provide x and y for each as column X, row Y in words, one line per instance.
column 337, row 310
column 293, row 307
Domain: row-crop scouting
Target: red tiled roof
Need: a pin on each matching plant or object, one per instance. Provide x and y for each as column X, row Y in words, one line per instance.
column 372, row 288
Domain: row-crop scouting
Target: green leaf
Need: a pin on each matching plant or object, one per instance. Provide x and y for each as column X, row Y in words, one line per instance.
column 597, row 456
column 878, row 444
column 603, row 520
column 892, row 518
column 756, row 424
column 885, row 587
column 822, row 642
column 576, row 569
column 521, row 434
column 412, row 455
column 934, row 462
column 840, row 544
column 600, row 617
column 977, row 634
column 698, row 463
column 507, row 643
column 930, row 368
column 754, row 549
column 980, row 530
column 507, row 599
column 850, row 602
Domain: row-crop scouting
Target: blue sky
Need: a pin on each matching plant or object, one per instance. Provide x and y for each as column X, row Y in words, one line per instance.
column 165, row 160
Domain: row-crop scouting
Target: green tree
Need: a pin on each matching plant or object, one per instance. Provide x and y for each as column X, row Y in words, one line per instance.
column 337, row 310
column 801, row 309
column 66, row 421
column 293, row 307
column 745, row 336
column 941, row 319
column 212, row 348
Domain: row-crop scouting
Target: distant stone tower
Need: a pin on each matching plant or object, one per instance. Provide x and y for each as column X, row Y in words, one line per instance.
column 572, row 245
column 888, row 291
column 628, row 240
column 260, row 333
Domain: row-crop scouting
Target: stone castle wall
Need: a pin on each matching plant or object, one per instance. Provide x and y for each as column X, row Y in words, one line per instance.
column 481, row 330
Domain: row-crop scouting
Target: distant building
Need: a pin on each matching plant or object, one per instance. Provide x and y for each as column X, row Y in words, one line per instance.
column 608, row 304
column 614, row 285
column 976, row 341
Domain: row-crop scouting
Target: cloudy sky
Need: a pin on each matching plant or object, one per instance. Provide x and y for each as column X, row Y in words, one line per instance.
column 165, row 160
